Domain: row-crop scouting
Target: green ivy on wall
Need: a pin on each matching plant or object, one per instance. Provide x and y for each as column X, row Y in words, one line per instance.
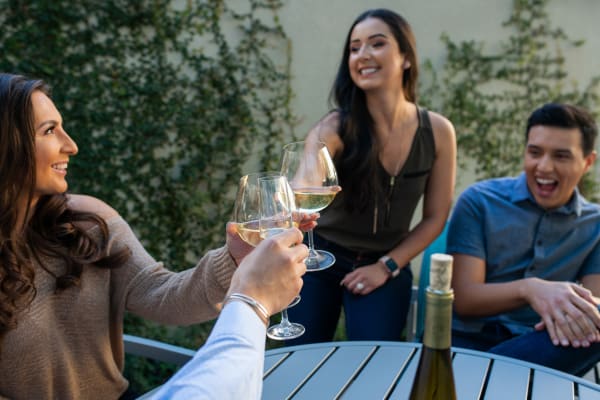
column 489, row 95
column 167, row 101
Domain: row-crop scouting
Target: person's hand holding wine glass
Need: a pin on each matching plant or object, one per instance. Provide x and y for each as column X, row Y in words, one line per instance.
column 265, row 207
column 276, row 216
column 272, row 273
column 313, row 178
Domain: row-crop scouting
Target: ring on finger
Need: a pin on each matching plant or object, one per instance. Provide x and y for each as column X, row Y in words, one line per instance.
column 360, row 286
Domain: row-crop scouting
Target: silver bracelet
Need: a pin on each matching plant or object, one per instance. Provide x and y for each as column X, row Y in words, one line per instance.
column 258, row 308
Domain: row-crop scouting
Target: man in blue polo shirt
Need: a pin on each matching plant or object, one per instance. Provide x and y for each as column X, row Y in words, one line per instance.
column 527, row 251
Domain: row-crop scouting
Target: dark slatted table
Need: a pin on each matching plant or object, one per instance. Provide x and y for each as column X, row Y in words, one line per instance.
column 385, row 370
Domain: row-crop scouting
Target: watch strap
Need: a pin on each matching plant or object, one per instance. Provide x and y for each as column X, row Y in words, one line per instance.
column 391, row 265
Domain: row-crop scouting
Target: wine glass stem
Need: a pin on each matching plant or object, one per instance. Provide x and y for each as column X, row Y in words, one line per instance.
column 311, row 245
column 285, row 322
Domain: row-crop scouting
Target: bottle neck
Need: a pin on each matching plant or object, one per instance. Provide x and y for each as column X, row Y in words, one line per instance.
column 438, row 319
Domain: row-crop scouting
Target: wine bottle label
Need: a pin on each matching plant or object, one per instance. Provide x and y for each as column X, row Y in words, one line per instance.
column 438, row 319
column 440, row 272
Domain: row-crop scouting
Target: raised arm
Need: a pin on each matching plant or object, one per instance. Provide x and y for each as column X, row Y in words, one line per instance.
column 230, row 364
column 326, row 131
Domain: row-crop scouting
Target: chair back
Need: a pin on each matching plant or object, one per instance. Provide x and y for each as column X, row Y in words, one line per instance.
column 437, row 246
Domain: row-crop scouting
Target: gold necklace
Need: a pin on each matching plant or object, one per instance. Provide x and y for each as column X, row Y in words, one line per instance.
column 391, row 186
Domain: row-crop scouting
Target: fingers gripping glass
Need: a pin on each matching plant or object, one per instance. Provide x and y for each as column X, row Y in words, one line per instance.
column 312, row 176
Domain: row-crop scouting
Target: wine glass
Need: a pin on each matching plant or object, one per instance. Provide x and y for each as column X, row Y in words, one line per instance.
column 276, row 215
column 246, row 211
column 312, row 176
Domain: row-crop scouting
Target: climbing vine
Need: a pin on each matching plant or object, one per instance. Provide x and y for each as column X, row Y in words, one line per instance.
column 489, row 95
column 167, row 100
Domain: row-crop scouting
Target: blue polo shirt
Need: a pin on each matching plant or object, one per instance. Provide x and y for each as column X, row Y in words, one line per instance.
column 499, row 221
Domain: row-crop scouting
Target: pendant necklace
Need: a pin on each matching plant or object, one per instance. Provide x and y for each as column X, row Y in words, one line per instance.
column 388, row 199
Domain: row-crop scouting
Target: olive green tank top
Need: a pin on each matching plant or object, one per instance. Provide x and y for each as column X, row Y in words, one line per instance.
column 386, row 221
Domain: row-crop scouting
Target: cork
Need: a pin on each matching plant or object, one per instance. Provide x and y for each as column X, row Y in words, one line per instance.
column 440, row 273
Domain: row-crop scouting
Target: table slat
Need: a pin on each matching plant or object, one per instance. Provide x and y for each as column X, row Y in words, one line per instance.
column 378, row 376
column 335, row 373
column 507, row 381
column 404, row 385
column 292, row 372
column 586, row 393
column 469, row 375
column 546, row 386
column 271, row 360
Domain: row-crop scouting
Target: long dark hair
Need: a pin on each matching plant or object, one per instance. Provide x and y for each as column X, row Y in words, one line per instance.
column 50, row 229
column 357, row 165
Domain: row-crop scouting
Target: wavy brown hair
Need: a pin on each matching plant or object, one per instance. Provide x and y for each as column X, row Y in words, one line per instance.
column 357, row 165
column 51, row 228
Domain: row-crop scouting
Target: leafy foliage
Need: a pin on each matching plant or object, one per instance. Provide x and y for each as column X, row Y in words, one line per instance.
column 489, row 95
column 167, row 101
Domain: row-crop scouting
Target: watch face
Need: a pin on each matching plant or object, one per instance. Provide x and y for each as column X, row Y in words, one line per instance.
column 391, row 264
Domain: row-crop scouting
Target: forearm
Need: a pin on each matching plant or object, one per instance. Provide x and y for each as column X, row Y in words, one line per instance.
column 592, row 283
column 486, row 299
column 183, row 298
column 229, row 365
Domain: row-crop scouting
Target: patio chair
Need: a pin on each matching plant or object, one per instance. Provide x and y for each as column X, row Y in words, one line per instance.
column 416, row 315
column 153, row 349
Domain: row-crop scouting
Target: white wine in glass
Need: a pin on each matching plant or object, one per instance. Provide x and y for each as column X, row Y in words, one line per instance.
column 276, row 215
column 246, row 211
column 313, row 178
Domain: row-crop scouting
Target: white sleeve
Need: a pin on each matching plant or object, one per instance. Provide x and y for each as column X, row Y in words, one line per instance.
column 229, row 365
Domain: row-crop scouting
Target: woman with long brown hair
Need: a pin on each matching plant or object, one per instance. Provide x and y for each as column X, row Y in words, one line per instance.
column 70, row 267
column 389, row 154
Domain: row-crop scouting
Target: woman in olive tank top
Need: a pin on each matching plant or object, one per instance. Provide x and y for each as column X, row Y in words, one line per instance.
column 389, row 153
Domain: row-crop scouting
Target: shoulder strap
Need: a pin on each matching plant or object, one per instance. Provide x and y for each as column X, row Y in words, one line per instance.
column 425, row 124
column 424, row 120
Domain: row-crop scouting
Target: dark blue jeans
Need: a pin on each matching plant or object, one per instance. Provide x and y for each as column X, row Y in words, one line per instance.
column 535, row 347
column 380, row 315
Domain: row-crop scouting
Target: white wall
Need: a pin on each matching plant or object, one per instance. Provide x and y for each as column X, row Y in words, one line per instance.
column 318, row 29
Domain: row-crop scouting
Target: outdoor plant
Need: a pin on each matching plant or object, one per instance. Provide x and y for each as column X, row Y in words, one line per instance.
column 488, row 95
column 167, row 100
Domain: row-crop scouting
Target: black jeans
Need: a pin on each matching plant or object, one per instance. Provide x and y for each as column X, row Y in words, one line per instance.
column 380, row 315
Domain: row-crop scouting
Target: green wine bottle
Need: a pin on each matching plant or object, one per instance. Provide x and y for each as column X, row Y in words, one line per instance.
column 434, row 378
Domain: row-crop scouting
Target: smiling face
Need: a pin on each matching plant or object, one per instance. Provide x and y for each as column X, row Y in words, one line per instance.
column 53, row 147
column 375, row 60
column 554, row 163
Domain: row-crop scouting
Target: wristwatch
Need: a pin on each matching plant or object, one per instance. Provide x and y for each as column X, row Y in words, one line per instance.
column 391, row 265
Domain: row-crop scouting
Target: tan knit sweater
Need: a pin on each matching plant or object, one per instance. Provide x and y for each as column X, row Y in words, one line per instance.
column 69, row 345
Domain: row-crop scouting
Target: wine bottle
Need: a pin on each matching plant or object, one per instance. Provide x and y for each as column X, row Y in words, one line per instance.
column 434, row 378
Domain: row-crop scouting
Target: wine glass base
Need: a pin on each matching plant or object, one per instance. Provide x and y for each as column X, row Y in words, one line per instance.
column 323, row 260
column 288, row 331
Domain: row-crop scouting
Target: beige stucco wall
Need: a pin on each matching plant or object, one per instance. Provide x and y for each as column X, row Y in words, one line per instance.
column 318, row 29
